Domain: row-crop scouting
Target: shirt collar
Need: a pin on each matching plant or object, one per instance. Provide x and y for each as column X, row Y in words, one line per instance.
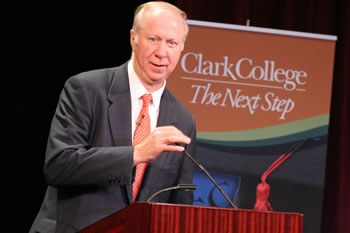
column 137, row 90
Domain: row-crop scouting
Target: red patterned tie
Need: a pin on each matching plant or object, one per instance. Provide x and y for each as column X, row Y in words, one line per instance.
column 143, row 129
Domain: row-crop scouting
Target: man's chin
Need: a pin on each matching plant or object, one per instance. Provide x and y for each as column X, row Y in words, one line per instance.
column 158, row 76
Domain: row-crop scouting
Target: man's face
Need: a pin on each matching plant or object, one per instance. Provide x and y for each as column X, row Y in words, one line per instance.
column 157, row 46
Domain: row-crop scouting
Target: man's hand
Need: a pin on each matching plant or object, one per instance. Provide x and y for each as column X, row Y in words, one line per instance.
column 160, row 140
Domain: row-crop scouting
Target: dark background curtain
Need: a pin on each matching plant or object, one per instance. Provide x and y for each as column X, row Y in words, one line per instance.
column 45, row 43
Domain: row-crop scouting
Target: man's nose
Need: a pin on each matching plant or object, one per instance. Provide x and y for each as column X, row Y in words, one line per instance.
column 161, row 50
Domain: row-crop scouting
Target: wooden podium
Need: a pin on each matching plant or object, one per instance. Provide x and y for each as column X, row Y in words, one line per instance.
column 145, row 217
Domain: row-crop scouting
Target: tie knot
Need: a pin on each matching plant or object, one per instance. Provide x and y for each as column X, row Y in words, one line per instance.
column 147, row 98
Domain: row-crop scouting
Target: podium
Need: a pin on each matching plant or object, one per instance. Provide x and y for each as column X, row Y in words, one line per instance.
column 146, row 217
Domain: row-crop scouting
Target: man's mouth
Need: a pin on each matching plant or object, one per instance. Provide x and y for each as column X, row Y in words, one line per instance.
column 159, row 65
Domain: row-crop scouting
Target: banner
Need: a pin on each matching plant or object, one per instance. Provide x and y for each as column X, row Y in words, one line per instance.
column 255, row 93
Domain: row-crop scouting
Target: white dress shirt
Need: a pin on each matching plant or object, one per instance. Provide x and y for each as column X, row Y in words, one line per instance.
column 137, row 90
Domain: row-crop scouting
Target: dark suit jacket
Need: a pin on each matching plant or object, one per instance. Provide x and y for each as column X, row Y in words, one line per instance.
column 89, row 157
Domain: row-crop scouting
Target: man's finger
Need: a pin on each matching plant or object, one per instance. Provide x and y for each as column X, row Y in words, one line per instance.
column 177, row 140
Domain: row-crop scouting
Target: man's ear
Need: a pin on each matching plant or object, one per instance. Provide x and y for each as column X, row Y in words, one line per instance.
column 133, row 39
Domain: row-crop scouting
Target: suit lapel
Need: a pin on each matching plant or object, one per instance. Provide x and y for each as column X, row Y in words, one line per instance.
column 166, row 117
column 119, row 112
column 166, row 107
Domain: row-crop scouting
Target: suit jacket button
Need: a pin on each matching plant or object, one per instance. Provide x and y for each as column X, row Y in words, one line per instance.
column 109, row 181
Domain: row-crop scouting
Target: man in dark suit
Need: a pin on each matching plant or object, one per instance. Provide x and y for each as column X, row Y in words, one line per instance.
column 90, row 158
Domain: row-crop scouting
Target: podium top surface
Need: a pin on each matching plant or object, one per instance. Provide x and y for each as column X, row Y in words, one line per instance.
column 146, row 217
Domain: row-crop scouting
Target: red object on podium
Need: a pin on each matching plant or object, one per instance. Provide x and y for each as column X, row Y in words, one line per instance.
column 146, row 217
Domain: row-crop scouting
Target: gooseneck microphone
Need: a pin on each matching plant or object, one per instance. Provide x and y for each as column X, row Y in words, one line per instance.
column 211, row 178
column 185, row 187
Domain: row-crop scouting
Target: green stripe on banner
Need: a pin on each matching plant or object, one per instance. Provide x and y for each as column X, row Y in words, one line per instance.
column 283, row 133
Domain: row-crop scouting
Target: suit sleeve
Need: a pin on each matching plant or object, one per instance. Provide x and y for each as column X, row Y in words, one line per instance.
column 70, row 159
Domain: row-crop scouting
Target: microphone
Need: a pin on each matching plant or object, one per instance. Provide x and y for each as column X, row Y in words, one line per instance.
column 211, row 178
column 263, row 188
column 185, row 187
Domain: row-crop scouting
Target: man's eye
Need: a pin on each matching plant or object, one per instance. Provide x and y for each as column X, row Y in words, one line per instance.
column 172, row 43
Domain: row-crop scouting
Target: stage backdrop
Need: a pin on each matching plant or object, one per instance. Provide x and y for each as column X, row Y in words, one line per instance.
column 255, row 94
